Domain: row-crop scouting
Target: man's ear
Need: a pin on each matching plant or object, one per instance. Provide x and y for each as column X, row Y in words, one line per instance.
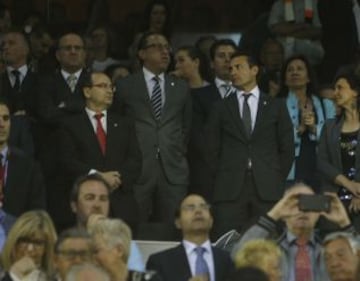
column 177, row 224
column 86, row 92
column 73, row 207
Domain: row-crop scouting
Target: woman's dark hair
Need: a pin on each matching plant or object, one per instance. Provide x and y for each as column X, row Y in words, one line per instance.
column 311, row 88
column 195, row 53
column 147, row 14
column 353, row 82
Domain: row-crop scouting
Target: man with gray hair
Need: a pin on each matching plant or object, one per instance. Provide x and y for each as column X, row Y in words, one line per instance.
column 87, row 272
column 341, row 254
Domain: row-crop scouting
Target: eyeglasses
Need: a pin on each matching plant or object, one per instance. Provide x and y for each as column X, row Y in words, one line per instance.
column 105, row 86
column 193, row 207
column 72, row 254
column 25, row 241
column 68, row 48
column 159, row 47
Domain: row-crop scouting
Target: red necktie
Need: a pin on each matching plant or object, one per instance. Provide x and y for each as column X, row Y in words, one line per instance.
column 100, row 133
column 303, row 270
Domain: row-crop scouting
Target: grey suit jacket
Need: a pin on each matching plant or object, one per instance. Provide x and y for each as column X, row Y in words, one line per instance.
column 329, row 155
column 166, row 138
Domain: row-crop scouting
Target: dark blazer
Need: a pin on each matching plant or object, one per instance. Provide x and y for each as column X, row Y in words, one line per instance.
column 80, row 152
column 169, row 136
column 329, row 155
column 24, row 189
column 202, row 100
column 55, row 99
column 270, row 148
column 25, row 99
column 173, row 265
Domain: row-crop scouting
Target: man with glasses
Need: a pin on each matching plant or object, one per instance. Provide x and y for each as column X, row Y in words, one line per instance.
column 73, row 247
column 161, row 107
column 195, row 258
column 60, row 95
column 97, row 141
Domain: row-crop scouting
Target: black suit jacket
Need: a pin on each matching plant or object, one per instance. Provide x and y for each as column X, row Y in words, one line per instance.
column 173, row 265
column 24, row 188
column 270, row 148
column 80, row 152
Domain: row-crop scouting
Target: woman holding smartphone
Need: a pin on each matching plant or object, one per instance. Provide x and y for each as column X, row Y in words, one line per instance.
column 339, row 149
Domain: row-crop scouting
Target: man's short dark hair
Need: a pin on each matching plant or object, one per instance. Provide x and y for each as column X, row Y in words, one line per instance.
column 71, row 233
column 74, row 196
column 250, row 59
column 219, row 43
column 68, row 33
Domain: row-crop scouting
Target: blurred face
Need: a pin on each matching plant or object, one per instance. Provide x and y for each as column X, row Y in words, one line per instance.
column 71, row 53
column 296, row 75
column 243, row 76
column 15, row 49
column 107, row 257
column 344, row 95
column 119, row 73
column 156, row 54
column 40, row 45
column 100, row 95
column 99, row 38
column 185, row 65
column 4, row 124
column 157, row 18
column 32, row 247
column 341, row 262
column 272, row 56
column 194, row 216
column 302, row 222
column 221, row 62
column 93, row 199
column 72, row 251
column 272, row 267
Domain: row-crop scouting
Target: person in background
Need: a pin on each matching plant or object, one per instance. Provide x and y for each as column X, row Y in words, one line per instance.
column 339, row 150
column 117, row 72
column 29, row 249
column 87, row 272
column 308, row 114
column 263, row 254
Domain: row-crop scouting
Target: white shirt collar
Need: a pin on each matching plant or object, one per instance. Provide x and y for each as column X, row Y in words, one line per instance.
column 91, row 113
column 148, row 75
column 219, row 82
column 22, row 69
column 66, row 74
column 255, row 92
column 190, row 246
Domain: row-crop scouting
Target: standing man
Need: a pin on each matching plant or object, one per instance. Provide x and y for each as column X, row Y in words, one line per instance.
column 251, row 149
column 161, row 108
column 102, row 142
column 194, row 257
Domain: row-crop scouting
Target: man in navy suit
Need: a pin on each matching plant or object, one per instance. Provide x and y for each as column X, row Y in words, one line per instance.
column 103, row 142
column 251, row 149
column 194, row 257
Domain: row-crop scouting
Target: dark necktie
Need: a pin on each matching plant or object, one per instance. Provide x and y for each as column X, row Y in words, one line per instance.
column 156, row 101
column 228, row 90
column 201, row 267
column 100, row 132
column 302, row 262
column 246, row 114
column 17, row 85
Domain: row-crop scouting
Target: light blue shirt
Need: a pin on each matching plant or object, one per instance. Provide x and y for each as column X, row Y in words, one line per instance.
column 135, row 261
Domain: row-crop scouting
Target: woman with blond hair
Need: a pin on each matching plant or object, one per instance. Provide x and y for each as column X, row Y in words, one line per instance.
column 28, row 251
column 262, row 254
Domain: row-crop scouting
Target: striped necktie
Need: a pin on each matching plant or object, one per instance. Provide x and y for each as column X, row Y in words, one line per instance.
column 201, row 267
column 156, row 99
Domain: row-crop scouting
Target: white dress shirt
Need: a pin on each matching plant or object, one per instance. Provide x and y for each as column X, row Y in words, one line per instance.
column 93, row 121
column 67, row 74
column 253, row 102
column 22, row 70
column 208, row 256
column 220, row 85
column 150, row 83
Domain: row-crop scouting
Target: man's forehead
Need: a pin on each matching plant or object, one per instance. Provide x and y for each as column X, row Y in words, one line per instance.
column 75, row 242
column 157, row 38
column 92, row 187
column 71, row 38
column 225, row 49
column 193, row 199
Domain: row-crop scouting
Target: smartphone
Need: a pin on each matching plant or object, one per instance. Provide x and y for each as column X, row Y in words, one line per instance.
column 314, row 203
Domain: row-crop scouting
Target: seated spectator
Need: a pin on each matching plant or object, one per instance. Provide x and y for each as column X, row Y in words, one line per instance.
column 339, row 152
column 87, row 272
column 117, row 72
column 298, row 236
column 194, row 258
column 29, row 250
column 263, row 254
column 248, row 273
column 341, row 253
column 72, row 247
column 100, row 48
column 297, row 25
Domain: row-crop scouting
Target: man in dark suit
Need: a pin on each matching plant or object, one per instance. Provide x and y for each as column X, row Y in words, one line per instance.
column 161, row 108
column 21, row 183
column 194, row 257
column 99, row 141
column 251, row 149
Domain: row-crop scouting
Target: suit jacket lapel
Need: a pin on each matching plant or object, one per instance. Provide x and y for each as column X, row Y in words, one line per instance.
column 142, row 91
column 263, row 102
column 233, row 106
column 182, row 265
column 169, row 84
